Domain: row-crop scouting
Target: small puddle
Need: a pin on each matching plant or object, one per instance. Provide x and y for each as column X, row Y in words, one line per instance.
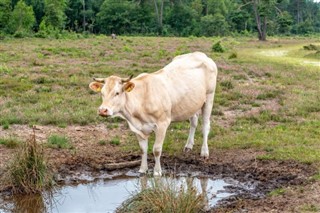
column 107, row 195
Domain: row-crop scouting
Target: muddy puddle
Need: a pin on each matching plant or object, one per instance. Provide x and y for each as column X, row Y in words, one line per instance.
column 107, row 193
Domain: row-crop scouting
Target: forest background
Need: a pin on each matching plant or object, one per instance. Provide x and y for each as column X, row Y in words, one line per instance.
column 56, row 18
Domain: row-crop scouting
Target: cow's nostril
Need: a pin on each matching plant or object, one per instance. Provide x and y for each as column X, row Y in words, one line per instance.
column 103, row 111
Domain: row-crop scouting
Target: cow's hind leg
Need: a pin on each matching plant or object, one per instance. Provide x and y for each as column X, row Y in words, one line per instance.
column 193, row 126
column 206, row 113
column 144, row 147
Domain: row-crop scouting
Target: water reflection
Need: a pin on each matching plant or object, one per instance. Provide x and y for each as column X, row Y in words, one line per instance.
column 107, row 195
column 30, row 204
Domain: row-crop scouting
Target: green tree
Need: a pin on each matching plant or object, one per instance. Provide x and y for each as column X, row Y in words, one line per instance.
column 5, row 11
column 38, row 8
column 54, row 11
column 285, row 21
column 22, row 19
column 181, row 19
column 214, row 25
column 114, row 17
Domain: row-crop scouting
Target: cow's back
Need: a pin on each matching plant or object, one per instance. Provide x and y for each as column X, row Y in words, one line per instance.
column 190, row 78
column 179, row 89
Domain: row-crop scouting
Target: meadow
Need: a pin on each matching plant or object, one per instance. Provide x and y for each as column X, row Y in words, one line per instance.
column 267, row 96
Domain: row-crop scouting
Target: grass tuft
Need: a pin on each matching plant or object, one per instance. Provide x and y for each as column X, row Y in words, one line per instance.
column 59, row 142
column 28, row 172
column 277, row 192
column 10, row 142
column 164, row 197
column 115, row 141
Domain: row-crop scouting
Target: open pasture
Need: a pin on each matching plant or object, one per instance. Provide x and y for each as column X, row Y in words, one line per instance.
column 265, row 123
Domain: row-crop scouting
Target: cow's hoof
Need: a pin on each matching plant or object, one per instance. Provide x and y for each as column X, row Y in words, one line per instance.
column 204, row 155
column 143, row 171
column 157, row 174
column 187, row 149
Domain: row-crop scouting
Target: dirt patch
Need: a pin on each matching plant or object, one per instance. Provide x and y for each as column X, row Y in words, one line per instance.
column 88, row 156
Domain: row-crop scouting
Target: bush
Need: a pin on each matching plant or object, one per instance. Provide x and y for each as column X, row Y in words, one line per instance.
column 22, row 20
column 217, row 47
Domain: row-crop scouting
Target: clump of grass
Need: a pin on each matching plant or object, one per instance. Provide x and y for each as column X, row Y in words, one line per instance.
column 10, row 142
column 311, row 47
column 102, row 142
column 269, row 95
column 29, row 173
column 5, row 125
column 164, row 197
column 310, row 208
column 59, row 142
column 277, row 192
column 226, row 85
column 233, row 55
column 115, row 141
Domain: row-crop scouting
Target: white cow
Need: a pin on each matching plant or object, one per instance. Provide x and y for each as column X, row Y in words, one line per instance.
column 150, row 102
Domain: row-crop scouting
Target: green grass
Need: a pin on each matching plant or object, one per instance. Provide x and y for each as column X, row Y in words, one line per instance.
column 115, row 141
column 10, row 142
column 310, row 208
column 45, row 82
column 277, row 192
column 164, row 197
column 102, row 142
column 59, row 142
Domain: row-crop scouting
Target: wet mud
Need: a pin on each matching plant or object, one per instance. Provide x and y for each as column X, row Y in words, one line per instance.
column 88, row 162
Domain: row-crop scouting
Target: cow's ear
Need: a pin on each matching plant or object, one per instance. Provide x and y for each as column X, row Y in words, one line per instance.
column 127, row 87
column 96, row 86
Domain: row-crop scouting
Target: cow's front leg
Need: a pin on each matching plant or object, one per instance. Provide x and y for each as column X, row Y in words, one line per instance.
column 144, row 147
column 157, row 147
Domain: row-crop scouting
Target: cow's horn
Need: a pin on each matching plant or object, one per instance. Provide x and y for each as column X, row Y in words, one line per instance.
column 100, row 80
column 126, row 80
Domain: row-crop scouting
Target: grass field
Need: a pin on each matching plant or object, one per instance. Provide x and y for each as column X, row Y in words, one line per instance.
column 268, row 94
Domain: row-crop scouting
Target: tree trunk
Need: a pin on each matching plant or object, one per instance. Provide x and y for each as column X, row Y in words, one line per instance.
column 262, row 33
column 264, row 29
column 159, row 14
column 84, row 15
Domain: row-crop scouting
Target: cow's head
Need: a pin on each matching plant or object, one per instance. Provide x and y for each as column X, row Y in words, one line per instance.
column 113, row 91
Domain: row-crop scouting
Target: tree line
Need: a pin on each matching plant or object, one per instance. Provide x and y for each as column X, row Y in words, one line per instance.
column 45, row 18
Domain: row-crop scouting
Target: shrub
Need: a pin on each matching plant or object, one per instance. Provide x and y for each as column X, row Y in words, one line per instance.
column 217, row 47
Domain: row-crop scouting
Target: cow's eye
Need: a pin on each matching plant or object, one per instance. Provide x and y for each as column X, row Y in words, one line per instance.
column 117, row 93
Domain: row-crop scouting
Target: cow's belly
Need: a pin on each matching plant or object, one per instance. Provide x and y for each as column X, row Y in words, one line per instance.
column 186, row 109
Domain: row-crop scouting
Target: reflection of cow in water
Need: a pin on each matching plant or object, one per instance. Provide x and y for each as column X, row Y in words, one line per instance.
column 150, row 102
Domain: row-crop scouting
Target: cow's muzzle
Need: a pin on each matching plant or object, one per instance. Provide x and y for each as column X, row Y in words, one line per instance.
column 103, row 112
